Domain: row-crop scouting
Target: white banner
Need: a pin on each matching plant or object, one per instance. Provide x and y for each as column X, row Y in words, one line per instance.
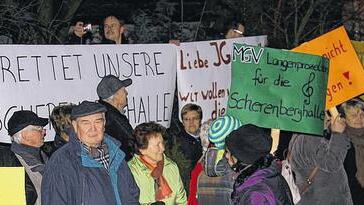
column 38, row 78
column 204, row 73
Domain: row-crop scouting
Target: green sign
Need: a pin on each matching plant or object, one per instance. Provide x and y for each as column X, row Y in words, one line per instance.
column 278, row 89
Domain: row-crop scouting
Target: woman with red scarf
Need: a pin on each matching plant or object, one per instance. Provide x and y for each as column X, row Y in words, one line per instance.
column 156, row 175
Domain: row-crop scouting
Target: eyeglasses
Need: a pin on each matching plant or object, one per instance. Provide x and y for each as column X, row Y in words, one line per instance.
column 237, row 31
column 38, row 129
column 191, row 119
column 92, row 124
column 114, row 25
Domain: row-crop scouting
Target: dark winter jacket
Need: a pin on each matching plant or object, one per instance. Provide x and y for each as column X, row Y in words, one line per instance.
column 8, row 159
column 357, row 192
column 264, row 187
column 108, row 41
column 356, row 135
column 118, row 126
column 190, row 147
column 191, row 150
column 75, row 40
column 72, row 177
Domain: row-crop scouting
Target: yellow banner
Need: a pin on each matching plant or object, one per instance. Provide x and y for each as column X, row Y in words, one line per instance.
column 361, row 97
column 346, row 73
column 12, row 185
column 359, row 48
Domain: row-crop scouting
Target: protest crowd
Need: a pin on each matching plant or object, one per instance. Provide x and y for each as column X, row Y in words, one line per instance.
column 99, row 156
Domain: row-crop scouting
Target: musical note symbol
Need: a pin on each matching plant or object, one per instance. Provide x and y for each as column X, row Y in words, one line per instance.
column 307, row 89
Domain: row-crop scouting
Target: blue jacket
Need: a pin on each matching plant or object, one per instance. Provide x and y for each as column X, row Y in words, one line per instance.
column 73, row 177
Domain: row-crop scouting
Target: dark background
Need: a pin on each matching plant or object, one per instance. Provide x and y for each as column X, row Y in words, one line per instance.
column 286, row 22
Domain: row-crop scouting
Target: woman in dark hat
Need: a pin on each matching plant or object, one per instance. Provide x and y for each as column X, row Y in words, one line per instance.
column 259, row 180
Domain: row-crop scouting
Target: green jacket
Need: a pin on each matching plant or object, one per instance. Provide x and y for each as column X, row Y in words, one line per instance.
column 145, row 182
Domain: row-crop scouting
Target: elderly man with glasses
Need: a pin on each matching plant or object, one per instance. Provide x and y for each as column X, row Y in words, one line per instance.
column 27, row 135
column 90, row 169
column 114, row 30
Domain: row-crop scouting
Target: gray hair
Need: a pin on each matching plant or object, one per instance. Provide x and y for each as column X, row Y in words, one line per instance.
column 353, row 103
column 18, row 137
column 109, row 99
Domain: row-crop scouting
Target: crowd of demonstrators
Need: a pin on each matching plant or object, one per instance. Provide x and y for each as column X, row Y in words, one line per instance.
column 156, row 175
column 90, row 168
column 27, row 135
column 113, row 95
column 233, row 166
column 97, row 157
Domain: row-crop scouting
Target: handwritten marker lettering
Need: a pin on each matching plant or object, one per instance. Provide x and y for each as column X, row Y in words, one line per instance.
column 248, row 54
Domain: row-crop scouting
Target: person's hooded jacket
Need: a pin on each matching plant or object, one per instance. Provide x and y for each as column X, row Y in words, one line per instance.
column 330, row 185
column 265, row 186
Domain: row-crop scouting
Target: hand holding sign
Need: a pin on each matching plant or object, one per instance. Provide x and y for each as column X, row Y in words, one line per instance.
column 337, row 124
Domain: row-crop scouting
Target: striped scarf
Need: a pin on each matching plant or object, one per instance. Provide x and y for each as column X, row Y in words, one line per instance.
column 100, row 154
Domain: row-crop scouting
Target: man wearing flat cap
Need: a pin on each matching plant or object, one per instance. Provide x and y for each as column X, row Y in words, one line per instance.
column 113, row 95
column 90, row 169
column 27, row 135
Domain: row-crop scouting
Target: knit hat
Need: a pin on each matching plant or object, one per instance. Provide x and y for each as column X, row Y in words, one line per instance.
column 249, row 143
column 220, row 128
column 110, row 84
